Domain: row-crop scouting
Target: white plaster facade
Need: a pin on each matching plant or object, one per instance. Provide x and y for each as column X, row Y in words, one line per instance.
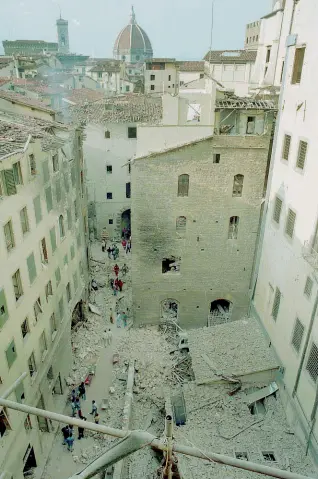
column 288, row 263
column 161, row 76
column 108, row 171
column 252, row 33
column 40, row 282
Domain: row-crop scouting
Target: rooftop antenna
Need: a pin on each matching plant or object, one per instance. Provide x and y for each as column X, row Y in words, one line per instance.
column 211, row 35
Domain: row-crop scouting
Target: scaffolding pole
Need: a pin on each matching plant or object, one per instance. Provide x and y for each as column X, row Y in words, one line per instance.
column 152, row 441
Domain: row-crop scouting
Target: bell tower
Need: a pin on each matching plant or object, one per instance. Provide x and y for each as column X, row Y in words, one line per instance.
column 62, row 35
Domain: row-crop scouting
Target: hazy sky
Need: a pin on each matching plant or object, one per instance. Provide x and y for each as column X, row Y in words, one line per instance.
column 176, row 28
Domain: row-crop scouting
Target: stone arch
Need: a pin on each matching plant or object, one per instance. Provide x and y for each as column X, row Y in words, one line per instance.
column 169, row 309
column 77, row 313
column 220, row 312
column 118, row 225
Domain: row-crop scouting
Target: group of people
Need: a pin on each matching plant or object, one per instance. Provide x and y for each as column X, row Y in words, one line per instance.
column 117, row 283
column 126, row 244
column 112, row 251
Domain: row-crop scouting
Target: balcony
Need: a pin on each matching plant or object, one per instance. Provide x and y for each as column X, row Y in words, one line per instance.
column 310, row 254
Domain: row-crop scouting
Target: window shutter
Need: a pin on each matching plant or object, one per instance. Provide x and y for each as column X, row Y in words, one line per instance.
column 286, row 147
column 290, row 223
column 9, row 182
column 308, row 287
column 312, row 363
column 31, row 267
column 11, row 354
column 49, row 199
column 58, row 276
column 73, row 175
column 276, row 304
column 37, row 209
column 72, row 251
column 46, row 172
column 298, row 335
column 3, row 308
column 301, row 156
column 53, row 239
column 69, row 218
column 277, row 209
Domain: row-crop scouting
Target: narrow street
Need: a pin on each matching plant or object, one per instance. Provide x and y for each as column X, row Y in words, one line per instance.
column 89, row 349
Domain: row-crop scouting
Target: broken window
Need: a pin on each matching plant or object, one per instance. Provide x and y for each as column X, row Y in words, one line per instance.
column 32, row 164
column 298, row 64
column 243, row 456
column 169, row 309
column 183, row 185
column 32, row 365
column 37, row 308
column 17, row 285
column 233, row 227
column 250, row 126
column 220, row 312
column 269, row 456
column 48, row 290
column 27, row 423
column 181, row 223
column 258, row 408
column 25, row 329
column 238, row 185
column 216, row 157
column 171, row 265
column 4, row 423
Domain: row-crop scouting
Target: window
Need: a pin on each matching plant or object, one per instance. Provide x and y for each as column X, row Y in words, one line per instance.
column 17, row 285
column 4, row 423
column 72, row 251
column 75, row 281
column 312, row 362
column 68, row 292
column 109, row 196
column 129, row 168
column 233, row 227
column 109, row 168
column 171, row 265
column 132, row 132
column 152, row 87
column 3, row 310
column 201, row 76
column 128, row 192
column 183, row 185
column 66, row 182
column 11, row 354
column 269, row 456
column 277, row 209
column 8, row 234
column 58, row 276
column 169, row 77
column 25, row 328
column 282, row 71
column 290, row 223
column 24, row 220
column 69, row 218
column 127, row 87
column 301, row 156
column 75, row 210
column 32, row 365
column 9, row 183
column 286, row 147
column 276, row 304
column 17, row 173
column 61, row 226
column 31, row 267
column 61, row 308
column 308, row 287
column 58, row 191
column 37, row 209
column 152, row 77
column 46, row 171
column 298, row 64
column 27, row 423
column 65, row 260
column 53, row 239
column 216, row 157
column 238, row 185
column 43, row 250
column 43, row 345
column 42, row 421
column 53, row 326
column 48, row 290
column 32, row 164
column 268, row 54
column 55, row 163
column 100, row 74
column 107, row 134
column 181, row 224
column 110, row 221
column 50, row 375
column 298, row 335
column 37, row 308
column 250, row 126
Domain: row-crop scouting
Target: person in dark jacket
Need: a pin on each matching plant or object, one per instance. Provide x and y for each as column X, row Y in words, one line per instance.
column 82, row 391
column 81, row 430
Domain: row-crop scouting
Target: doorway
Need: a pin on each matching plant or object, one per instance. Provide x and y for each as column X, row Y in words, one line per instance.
column 125, row 224
column 30, row 462
column 169, row 310
column 220, row 312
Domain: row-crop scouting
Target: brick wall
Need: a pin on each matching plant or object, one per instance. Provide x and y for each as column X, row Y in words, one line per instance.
column 212, row 266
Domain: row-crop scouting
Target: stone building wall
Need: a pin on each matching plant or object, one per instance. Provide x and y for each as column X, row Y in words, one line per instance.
column 212, row 266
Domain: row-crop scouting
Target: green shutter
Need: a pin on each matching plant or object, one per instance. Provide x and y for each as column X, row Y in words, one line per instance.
column 66, row 183
column 58, row 276
column 73, row 175
column 37, row 209
column 53, row 239
column 78, row 240
column 69, row 218
column 72, row 251
column 9, row 182
column 3, row 308
column 75, row 280
column 31, row 267
column 49, row 199
column 11, row 354
column 61, row 308
column 58, row 190
column 46, row 173
column 65, row 259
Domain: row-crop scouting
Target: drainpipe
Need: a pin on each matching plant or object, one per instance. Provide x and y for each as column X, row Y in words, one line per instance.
column 291, row 41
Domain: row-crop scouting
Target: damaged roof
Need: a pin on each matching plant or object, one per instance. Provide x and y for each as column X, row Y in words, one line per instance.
column 245, row 103
column 112, row 66
column 130, row 108
column 83, row 95
column 23, row 100
column 191, row 66
column 15, row 130
column 231, row 56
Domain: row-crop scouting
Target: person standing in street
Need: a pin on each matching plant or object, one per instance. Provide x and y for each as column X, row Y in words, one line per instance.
column 118, row 320
column 105, row 336
column 96, row 417
column 111, row 317
column 124, row 316
column 109, row 252
column 116, row 269
column 66, row 433
column 94, row 407
column 120, row 284
column 82, row 391
column 81, row 430
column 124, row 269
column 70, row 442
column 110, row 337
column 103, row 246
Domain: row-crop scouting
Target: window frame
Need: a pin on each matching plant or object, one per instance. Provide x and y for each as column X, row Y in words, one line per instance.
column 24, row 212
column 183, row 185
column 298, row 64
column 25, row 328
column 287, row 223
column 132, row 132
column 10, row 245
column 17, row 276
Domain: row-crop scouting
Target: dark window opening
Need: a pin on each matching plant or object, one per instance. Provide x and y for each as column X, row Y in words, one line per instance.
column 4, row 423
column 171, row 265
column 109, row 196
column 250, row 127
column 152, row 77
column 258, row 408
column 242, row 456
column 132, row 132
column 233, row 227
column 109, row 168
column 110, row 222
column 183, row 185
column 107, row 134
column 201, row 75
column 216, row 157
column 269, row 456
column 152, row 87
column 238, row 185
column 128, row 190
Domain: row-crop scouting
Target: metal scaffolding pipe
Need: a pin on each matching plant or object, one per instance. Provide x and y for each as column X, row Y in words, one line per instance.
column 154, row 442
column 13, row 386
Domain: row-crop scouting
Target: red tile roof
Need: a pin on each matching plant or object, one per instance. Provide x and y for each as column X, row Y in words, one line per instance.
column 23, row 100
column 191, row 66
column 231, row 56
column 82, row 95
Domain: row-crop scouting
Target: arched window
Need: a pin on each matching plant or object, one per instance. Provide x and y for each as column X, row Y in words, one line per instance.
column 238, row 185
column 183, row 185
column 181, row 223
column 61, row 226
column 233, row 227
